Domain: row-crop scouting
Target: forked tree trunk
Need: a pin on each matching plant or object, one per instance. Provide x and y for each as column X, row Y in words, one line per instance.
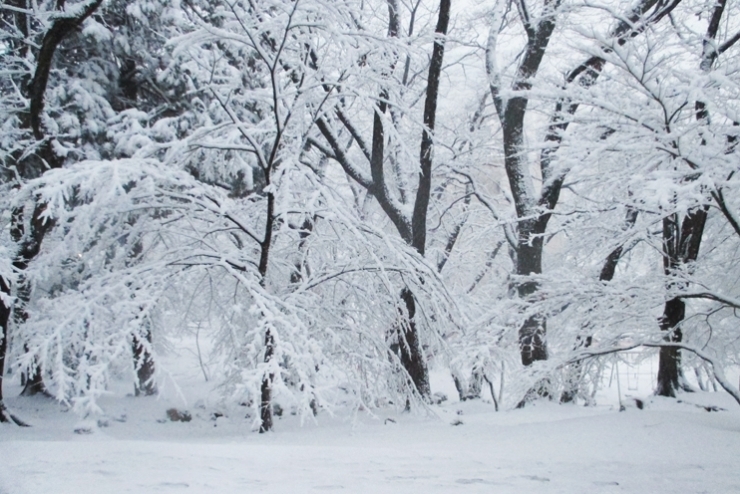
column 511, row 113
column 404, row 340
column 534, row 212
column 681, row 244
column 412, row 354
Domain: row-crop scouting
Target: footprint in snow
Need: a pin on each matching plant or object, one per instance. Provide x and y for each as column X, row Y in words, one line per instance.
column 474, row 481
column 535, row 477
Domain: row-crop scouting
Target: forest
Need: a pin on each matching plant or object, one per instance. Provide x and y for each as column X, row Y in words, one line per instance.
column 327, row 200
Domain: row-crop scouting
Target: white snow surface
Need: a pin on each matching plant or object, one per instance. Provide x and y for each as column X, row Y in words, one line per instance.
column 669, row 447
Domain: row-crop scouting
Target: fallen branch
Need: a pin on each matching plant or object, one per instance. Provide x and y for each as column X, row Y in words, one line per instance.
column 6, row 416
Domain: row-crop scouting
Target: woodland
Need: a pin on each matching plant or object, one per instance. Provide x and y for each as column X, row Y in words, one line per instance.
column 331, row 198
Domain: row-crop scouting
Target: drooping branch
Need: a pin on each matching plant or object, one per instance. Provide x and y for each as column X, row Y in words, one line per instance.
column 716, row 369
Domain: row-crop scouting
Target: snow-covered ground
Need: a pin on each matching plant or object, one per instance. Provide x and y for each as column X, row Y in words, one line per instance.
column 671, row 447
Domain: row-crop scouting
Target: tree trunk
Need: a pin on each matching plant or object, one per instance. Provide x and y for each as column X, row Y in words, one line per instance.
column 5, row 415
column 266, row 387
column 532, row 333
column 512, row 111
column 34, row 383
column 511, row 114
column 669, row 363
column 29, row 245
column 680, row 248
column 4, row 319
column 681, row 242
column 267, row 379
column 410, row 351
column 144, row 366
column 413, row 230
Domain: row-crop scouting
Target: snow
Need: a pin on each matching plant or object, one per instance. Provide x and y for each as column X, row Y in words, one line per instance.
column 669, row 446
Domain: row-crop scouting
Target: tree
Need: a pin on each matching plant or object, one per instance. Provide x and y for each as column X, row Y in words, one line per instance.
column 682, row 234
column 239, row 185
column 412, row 228
column 533, row 210
column 682, row 163
column 28, row 233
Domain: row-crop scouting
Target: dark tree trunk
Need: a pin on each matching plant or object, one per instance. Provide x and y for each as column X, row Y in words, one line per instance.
column 29, row 245
column 411, row 351
column 144, row 363
column 128, row 84
column 669, row 363
column 144, row 366
column 60, row 29
column 34, row 383
column 476, row 384
column 266, row 387
column 5, row 415
column 680, row 248
column 409, row 348
column 426, row 153
column 681, row 242
column 4, row 319
column 532, row 334
column 512, row 112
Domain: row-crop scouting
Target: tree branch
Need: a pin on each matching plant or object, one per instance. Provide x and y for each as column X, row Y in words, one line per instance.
column 63, row 25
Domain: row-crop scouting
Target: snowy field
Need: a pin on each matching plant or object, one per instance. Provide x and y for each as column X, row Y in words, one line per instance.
column 668, row 447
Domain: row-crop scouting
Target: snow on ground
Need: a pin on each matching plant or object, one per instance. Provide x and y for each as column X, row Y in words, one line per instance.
column 667, row 447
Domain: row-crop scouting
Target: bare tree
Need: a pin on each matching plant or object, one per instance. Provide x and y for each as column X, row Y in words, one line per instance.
column 412, row 229
column 682, row 233
column 533, row 210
